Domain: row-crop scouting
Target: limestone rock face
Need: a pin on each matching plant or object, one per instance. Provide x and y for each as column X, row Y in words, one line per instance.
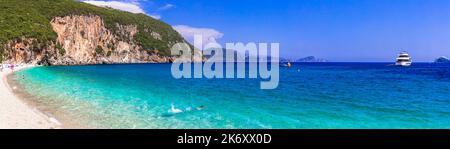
column 28, row 51
column 84, row 39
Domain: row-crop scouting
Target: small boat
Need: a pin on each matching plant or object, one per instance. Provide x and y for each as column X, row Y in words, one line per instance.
column 403, row 59
column 288, row 65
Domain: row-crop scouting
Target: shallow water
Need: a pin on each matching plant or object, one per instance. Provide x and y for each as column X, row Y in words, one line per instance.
column 320, row 95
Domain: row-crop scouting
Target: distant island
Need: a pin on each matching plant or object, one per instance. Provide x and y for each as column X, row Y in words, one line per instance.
column 442, row 59
column 311, row 59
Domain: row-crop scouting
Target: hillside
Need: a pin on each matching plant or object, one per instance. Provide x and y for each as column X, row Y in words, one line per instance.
column 55, row 31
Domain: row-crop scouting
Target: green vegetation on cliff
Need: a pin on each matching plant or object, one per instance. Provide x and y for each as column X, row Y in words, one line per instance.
column 31, row 19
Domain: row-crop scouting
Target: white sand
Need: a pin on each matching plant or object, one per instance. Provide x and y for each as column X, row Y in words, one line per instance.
column 15, row 113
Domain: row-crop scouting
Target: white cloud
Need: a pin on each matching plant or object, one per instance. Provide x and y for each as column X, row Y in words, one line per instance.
column 165, row 7
column 130, row 6
column 209, row 35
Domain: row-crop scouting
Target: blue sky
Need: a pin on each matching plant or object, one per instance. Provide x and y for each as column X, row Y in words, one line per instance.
column 338, row 30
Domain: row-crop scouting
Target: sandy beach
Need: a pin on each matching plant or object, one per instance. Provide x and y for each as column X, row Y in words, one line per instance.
column 15, row 113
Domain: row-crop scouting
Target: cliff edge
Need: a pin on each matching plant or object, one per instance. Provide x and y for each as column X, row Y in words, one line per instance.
column 67, row 32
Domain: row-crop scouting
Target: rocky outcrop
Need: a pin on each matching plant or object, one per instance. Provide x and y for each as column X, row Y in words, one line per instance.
column 84, row 39
column 28, row 51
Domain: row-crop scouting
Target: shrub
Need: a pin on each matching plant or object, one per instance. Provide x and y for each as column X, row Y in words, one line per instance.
column 61, row 50
column 99, row 50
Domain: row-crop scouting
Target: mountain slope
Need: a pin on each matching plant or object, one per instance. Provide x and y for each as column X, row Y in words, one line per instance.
column 51, row 31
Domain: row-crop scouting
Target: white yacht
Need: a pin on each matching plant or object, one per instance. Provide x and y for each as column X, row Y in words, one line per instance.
column 403, row 59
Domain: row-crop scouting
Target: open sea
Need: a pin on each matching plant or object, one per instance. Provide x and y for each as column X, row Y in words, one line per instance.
column 309, row 95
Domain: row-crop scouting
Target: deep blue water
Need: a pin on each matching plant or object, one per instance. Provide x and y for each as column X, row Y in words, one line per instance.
column 309, row 95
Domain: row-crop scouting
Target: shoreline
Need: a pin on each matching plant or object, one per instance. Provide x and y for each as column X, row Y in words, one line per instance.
column 15, row 112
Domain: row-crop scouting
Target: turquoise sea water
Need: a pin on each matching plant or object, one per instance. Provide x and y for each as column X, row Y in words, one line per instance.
column 320, row 95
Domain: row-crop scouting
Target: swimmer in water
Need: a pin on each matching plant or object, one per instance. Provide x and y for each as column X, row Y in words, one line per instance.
column 175, row 110
column 200, row 107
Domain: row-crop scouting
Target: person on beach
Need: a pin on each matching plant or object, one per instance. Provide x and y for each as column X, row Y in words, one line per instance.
column 12, row 67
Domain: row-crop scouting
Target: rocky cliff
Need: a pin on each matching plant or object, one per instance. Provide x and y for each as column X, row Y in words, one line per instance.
column 67, row 32
column 83, row 40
